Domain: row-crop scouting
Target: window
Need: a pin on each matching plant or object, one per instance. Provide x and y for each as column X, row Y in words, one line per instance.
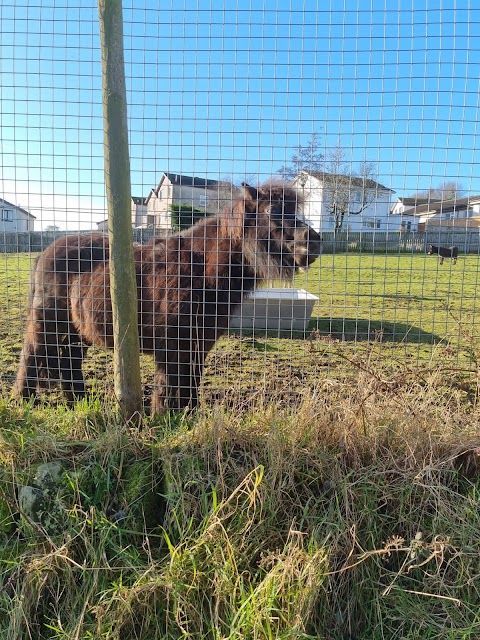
column 7, row 215
column 373, row 223
column 202, row 202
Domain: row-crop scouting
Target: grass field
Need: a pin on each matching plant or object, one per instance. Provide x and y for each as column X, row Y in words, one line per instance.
column 397, row 310
column 349, row 514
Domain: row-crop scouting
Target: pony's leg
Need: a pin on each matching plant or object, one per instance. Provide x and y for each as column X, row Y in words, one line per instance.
column 189, row 378
column 38, row 359
column 184, row 359
column 71, row 373
column 39, row 365
column 441, row 259
column 187, row 374
column 159, row 392
column 188, row 390
column 178, row 366
column 172, row 383
column 27, row 376
column 51, row 344
column 454, row 261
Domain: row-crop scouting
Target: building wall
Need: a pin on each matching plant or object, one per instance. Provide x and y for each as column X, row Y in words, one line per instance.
column 158, row 211
column 14, row 220
column 195, row 196
column 158, row 208
column 139, row 211
column 460, row 222
column 375, row 217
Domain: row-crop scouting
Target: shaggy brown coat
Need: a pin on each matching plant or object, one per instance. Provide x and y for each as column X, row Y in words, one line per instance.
column 188, row 287
column 52, row 349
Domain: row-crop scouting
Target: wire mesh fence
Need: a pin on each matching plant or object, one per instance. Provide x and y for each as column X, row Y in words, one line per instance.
column 368, row 112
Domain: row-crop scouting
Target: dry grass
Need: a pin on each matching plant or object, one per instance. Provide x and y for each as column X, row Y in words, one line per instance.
column 351, row 513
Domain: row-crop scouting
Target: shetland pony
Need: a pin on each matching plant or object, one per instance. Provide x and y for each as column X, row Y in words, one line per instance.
column 188, row 287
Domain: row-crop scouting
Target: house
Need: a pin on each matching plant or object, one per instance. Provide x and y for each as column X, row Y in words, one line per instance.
column 153, row 212
column 402, row 212
column 14, row 219
column 175, row 188
column 403, row 204
column 460, row 213
column 342, row 202
column 138, row 213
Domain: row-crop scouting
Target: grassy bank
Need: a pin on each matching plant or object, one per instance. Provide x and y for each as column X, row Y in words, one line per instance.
column 328, row 487
column 354, row 515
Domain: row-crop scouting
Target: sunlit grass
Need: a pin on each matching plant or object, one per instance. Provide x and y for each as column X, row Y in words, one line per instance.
column 395, row 309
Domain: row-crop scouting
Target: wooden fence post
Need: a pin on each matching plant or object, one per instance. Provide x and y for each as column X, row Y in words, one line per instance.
column 117, row 179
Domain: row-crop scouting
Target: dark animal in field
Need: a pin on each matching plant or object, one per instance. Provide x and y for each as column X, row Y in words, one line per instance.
column 443, row 252
column 188, row 286
column 45, row 358
column 52, row 346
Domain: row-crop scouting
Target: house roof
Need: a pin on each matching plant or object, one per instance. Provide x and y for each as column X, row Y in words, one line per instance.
column 415, row 201
column 355, row 181
column 138, row 200
column 181, row 180
column 443, row 206
column 9, row 204
column 191, row 181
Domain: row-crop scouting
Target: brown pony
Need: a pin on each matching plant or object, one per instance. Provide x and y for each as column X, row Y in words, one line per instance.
column 188, row 287
column 52, row 348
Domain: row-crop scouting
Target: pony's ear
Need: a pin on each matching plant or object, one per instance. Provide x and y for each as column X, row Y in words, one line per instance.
column 249, row 193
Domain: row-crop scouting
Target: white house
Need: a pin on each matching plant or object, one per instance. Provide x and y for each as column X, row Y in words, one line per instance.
column 138, row 213
column 174, row 188
column 345, row 202
column 461, row 213
column 404, row 204
column 14, row 219
column 401, row 212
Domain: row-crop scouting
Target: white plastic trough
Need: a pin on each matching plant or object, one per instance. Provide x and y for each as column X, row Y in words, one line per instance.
column 276, row 310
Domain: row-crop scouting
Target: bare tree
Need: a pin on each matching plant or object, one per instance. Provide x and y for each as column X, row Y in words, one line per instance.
column 347, row 192
column 448, row 190
column 309, row 158
column 226, row 192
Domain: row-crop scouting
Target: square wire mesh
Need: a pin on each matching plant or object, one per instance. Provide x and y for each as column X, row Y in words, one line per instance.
column 369, row 111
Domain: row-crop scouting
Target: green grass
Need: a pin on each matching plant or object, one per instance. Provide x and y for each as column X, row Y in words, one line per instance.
column 399, row 310
column 354, row 515
column 350, row 513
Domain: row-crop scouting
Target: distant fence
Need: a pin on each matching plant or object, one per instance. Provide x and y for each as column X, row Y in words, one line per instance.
column 467, row 240
column 35, row 241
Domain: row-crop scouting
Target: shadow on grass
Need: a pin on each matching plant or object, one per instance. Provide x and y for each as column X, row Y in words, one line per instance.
column 360, row 329
column 345, row 329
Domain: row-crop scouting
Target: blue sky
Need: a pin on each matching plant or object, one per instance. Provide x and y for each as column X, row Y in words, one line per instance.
column 221, row 88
